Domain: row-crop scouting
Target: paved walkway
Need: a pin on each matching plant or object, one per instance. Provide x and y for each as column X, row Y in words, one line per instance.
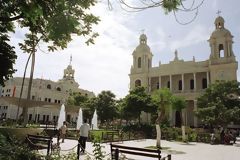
column 179, row 151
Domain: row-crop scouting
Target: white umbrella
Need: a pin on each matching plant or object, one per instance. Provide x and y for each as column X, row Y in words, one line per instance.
column 61, row 117
column 80, row 118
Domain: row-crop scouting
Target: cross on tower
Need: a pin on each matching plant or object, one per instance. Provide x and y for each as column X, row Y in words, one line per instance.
column 142, row 31
column 70, row 59
column 218, row 12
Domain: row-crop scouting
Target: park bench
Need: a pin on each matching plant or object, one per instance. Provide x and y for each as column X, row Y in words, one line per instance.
column 116, row 150
column 37, row 142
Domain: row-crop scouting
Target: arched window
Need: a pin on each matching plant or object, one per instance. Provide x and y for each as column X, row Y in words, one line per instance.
column 158, row 85
column 168, row 84
column 191, row 84
column 58, row 89
column 180, row 85
column 221, row 50
column 139, row 62
column 204, row 83
column 138, row 83
column 49, row 86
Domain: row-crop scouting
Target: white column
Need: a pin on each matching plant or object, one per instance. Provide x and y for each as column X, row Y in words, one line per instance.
column 207, row 78
column 195, row 123
column 170, row 82
column 183, row 83
column 195, row 82
column 160, row 82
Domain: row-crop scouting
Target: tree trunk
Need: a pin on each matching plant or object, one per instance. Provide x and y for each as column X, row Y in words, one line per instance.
column 24, row 75
column 25, row 109
column 158, row 129
column 183, row 126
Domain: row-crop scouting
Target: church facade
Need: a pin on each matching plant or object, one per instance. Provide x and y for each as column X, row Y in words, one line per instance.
column 188, row 79
column 46, row 96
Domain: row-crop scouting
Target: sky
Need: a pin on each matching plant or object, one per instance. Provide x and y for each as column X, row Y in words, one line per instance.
column 106, row 64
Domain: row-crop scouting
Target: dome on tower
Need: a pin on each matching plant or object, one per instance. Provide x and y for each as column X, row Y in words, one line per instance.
column 143, row 37
column 219, row 19
column 142, row 47
column 220, row 30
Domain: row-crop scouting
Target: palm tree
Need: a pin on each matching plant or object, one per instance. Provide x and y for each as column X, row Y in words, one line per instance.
column 179, row 104
column 163, row 99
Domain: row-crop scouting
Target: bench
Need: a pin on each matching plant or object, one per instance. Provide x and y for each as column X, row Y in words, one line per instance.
column 37, row 142
column 154, row 153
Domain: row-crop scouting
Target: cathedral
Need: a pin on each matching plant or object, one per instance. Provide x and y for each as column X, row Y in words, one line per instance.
column 188, row 79
column 46, row 97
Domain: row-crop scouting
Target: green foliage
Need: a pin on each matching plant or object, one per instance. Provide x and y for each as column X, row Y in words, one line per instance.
column 106, row 106
column 136, row 101
column 7, row 58
column 171, row 5
column 77, row 99
column 12, row 149
column 178, row 103
column 146, row 129
column 69, row 156
column 219, row 105
column 162, row 98
column 97, row 151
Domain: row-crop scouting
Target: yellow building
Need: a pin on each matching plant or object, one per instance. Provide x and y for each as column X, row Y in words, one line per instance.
column 186, row 78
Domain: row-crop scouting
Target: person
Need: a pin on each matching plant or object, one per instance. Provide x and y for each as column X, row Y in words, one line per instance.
column 62, row 132
column 84, row 131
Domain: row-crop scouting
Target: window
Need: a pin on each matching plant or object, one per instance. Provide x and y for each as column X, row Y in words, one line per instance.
column 221, row 50
column 49, row 100
column 168, row 84
column 49, row 86
column 33, row 97
column 58, row 89
column 139, row 62
column 180, row 85
column 191, row 84
column 30, row 117
column 158, row 85
column 55, row 101
column 204, row 83
column 86, row 94
column 59, row 101
column 46, row 100
column 137, row 83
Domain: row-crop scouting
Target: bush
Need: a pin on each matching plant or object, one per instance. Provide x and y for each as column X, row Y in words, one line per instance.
column 13, row 149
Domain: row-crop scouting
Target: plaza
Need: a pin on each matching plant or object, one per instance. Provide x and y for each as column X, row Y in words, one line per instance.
column 178, row 150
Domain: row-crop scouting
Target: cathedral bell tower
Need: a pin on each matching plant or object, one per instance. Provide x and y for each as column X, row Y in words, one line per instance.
column 142, row 63
column 142, row 56
column 222, row 62
column 221, row 42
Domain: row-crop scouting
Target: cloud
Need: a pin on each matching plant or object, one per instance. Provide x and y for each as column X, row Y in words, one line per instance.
column 196, row 35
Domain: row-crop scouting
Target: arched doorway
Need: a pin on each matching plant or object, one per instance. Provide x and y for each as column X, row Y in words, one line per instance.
column 178, row 119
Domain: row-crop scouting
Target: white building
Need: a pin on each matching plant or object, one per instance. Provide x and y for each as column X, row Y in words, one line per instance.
column 46, row 95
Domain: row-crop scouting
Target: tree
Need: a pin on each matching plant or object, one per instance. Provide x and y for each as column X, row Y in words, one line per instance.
column 179, row 103
column 7, row 59
column 162, row 98
column 137, row 101
column 53, row 22
column 77, row 99
column 220, row 104
column 106, row 106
